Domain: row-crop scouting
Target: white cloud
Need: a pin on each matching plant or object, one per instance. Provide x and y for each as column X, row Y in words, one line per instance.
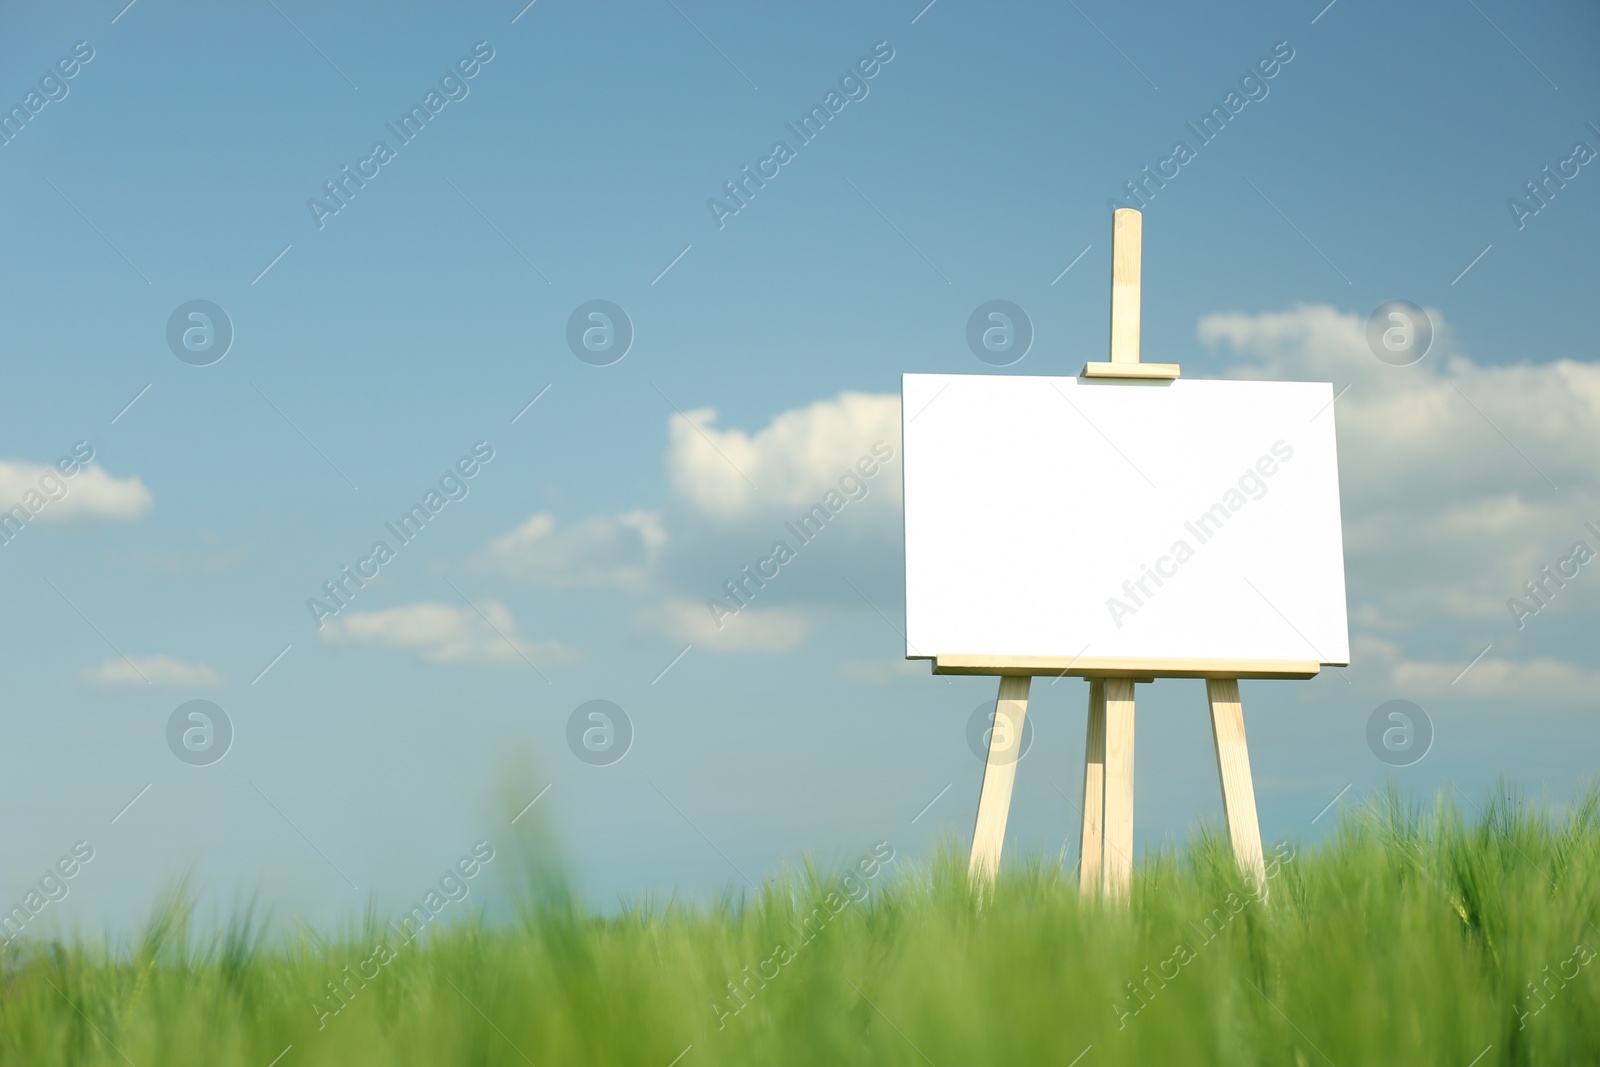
column 617, row 552
column 799, row 456
column 152, row 670
column 444, row 633
column 751, row 630
column 840, row 453
column 43, row 492
column 1530, row 682
column 1446, row 466
column 1544, row 677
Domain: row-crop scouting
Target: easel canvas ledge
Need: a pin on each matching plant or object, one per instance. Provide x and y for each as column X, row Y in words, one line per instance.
column 1142, row 670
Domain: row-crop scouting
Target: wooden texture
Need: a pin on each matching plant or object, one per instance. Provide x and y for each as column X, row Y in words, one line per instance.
column 999, row 772
column 1113, row 667
column 1091, row 843
column 1233, row 766
column 1127, row 239
column 1118, row 862
column 1130, row 370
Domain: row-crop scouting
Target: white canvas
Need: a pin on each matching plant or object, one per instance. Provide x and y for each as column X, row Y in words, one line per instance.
column 1067, row 517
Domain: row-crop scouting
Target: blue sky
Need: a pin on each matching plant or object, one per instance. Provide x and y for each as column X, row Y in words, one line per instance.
column 374, row 350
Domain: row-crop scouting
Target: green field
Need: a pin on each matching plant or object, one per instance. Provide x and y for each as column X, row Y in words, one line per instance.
column 1408, row 936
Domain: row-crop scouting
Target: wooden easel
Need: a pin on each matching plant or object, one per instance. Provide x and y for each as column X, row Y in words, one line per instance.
column 1106, row 864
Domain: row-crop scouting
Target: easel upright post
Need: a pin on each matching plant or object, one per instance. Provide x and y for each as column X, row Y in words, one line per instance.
column 1112, row 764
column 1117, row 859
column 1091, row 842
column 1127, row 260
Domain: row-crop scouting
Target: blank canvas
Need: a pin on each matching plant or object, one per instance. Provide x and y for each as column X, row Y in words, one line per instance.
column 1070, row 517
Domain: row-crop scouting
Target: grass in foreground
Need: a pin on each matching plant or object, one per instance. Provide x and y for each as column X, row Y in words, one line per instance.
column 1407, row 938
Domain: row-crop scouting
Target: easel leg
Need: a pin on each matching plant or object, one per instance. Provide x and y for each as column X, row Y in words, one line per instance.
column 1118, row 862
column 1233, row 765
column 994, row 803
column 1091, row 845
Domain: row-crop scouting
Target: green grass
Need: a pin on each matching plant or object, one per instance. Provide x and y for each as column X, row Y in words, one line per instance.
column 1407, row 937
